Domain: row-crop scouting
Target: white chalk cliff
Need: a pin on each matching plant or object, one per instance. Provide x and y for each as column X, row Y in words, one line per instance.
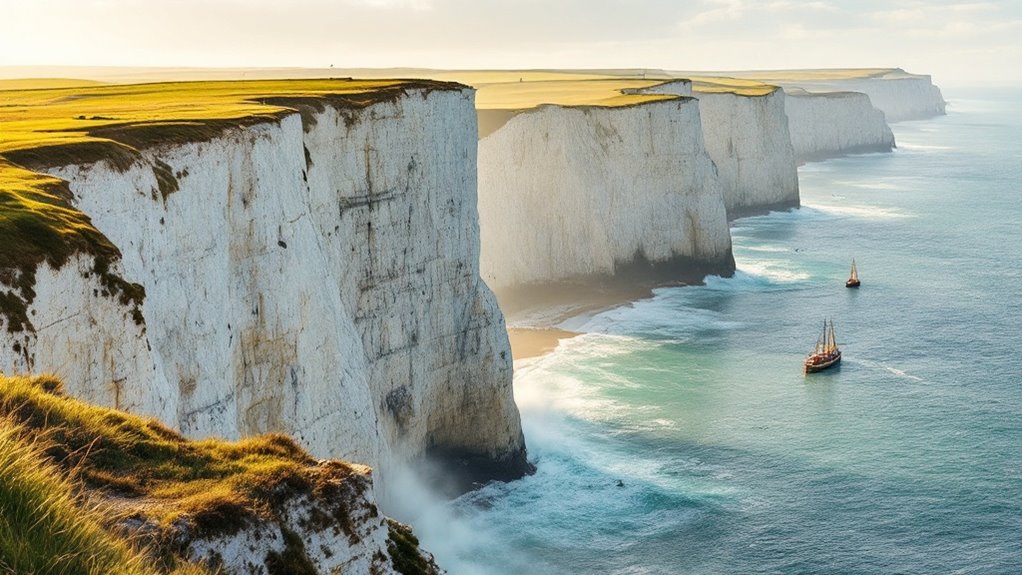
column 834, row 123
column 747, row 137
column 567, row 193
column 318, row 280
column 898, row 94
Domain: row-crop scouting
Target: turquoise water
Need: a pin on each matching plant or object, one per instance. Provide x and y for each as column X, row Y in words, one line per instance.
column 906, row 459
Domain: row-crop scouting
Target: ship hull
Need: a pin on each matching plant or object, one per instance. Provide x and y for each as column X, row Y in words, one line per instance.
column 814, row 366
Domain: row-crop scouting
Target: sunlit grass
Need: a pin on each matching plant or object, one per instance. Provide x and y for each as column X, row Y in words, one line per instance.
column 142, row 468
column 596, row 92
column 45, row 83
column 724, row 85
column 47, row 528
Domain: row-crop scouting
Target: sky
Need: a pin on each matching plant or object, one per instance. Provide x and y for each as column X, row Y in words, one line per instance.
column 956, row 41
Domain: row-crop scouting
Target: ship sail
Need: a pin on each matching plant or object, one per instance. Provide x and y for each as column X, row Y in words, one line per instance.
column 826, row 353
column 853, row 279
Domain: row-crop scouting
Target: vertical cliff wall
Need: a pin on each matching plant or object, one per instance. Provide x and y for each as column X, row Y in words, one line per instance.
column 898, row 94
column 317, row 278
column 747, row 137
column 833, row 123
column 567, row 193
column 901, row 97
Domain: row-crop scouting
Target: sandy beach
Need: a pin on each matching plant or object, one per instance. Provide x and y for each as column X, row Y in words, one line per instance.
column 529, row 342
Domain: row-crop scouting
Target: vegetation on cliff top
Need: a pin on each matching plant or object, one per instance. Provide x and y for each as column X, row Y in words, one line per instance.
column 46, row 527
column 724, row 85
column 608, row 92
column 88, row 123
column 74, row 476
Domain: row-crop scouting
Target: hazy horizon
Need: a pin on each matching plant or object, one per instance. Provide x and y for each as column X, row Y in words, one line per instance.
column 963, row 42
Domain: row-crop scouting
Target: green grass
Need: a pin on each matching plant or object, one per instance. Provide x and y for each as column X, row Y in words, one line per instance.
column 45, row 529
column 136, row 468
column 403, row 547
column 58, row 126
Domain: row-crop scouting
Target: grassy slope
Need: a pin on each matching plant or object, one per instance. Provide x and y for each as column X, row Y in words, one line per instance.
column 122, row 466
column 723, row 85
column 45, row 527
column 591, row 92
column 57, row 126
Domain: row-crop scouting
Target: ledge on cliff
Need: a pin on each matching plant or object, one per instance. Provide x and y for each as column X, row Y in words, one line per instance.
column 87, row 489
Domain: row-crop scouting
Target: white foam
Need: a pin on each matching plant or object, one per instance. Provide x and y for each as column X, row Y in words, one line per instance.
column 769, row 249
column 888, row 186
column 912, row 147
column 859, row 211
column 667, row 316
column 773, row 271
column 887, row 368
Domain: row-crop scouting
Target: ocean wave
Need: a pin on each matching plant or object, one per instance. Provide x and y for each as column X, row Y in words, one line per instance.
column 757, row 276
column 872, row 185
column 766, row 248
column 912, row 147
column 858, row 211
column 667, row 317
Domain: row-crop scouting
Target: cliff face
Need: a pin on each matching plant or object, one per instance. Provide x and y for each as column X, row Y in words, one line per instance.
column 316, row 280
column 830, row 124
column 747, row 137
column 899, row 95
column 567, row 193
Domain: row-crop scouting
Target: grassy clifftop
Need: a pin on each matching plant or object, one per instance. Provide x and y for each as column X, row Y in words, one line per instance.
column 607, row 92
column 44, row 126
column 73, row 476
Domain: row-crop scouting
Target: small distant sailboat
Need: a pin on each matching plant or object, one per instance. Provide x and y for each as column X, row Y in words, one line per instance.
column 826, row 354
column 853, row 280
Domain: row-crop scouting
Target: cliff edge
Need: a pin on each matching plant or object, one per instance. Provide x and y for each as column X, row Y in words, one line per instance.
column 586, row 193
column 237, row 258
column 98, row 491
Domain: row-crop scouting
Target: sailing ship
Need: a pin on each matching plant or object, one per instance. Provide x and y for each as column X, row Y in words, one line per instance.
column 853, row 280
column 826, row 354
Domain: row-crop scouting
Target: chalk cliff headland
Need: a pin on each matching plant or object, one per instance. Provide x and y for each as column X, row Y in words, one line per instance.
column 312, row 257
column 575, row 192
column 298, row 258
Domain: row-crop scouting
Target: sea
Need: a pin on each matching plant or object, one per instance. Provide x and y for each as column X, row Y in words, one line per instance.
column 679, row 435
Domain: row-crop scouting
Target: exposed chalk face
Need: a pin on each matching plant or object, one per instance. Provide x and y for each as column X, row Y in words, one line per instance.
column 913, row 97
column 830, row 124
column 747, row 137
column 899, row 95
column 571, row 192
column 344, row 533
column 317, row 280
